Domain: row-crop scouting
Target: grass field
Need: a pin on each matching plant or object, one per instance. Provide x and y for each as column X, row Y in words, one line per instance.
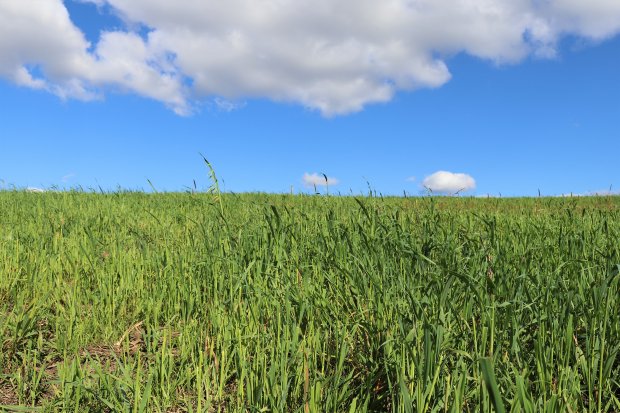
column 133, row 302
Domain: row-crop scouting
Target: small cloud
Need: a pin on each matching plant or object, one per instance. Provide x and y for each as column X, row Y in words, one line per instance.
column 34, row 190
column 315, row 179
column 228, row 105
column 67, row 177
column 411, row 179
column 444, row 182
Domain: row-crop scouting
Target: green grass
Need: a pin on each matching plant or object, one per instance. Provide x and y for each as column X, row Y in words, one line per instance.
column 135, row 302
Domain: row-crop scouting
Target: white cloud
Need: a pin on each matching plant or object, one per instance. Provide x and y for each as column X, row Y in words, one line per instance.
column 311, row 180
column 35, row 190
column 23, row 77
column 449, row 183
column 601, row 192
column 42, row 49
column 334, row 56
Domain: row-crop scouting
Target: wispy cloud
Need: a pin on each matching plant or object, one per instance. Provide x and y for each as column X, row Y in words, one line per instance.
column 228, row 105
column 445, row 182
column 315, row 179
column 601, row 192
column 67, row 178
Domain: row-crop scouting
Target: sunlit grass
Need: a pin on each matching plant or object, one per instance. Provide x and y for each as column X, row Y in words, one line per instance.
column 206, row 302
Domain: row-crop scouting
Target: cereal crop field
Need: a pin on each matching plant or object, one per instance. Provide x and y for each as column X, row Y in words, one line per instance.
column 135, row 302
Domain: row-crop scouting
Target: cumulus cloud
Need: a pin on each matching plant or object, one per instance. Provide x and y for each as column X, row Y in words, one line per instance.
column 40, row 48
column 334, row 56
column 312, row 180
column 449, row 183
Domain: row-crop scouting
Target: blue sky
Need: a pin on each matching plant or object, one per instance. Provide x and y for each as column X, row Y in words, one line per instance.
column 540, row 120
